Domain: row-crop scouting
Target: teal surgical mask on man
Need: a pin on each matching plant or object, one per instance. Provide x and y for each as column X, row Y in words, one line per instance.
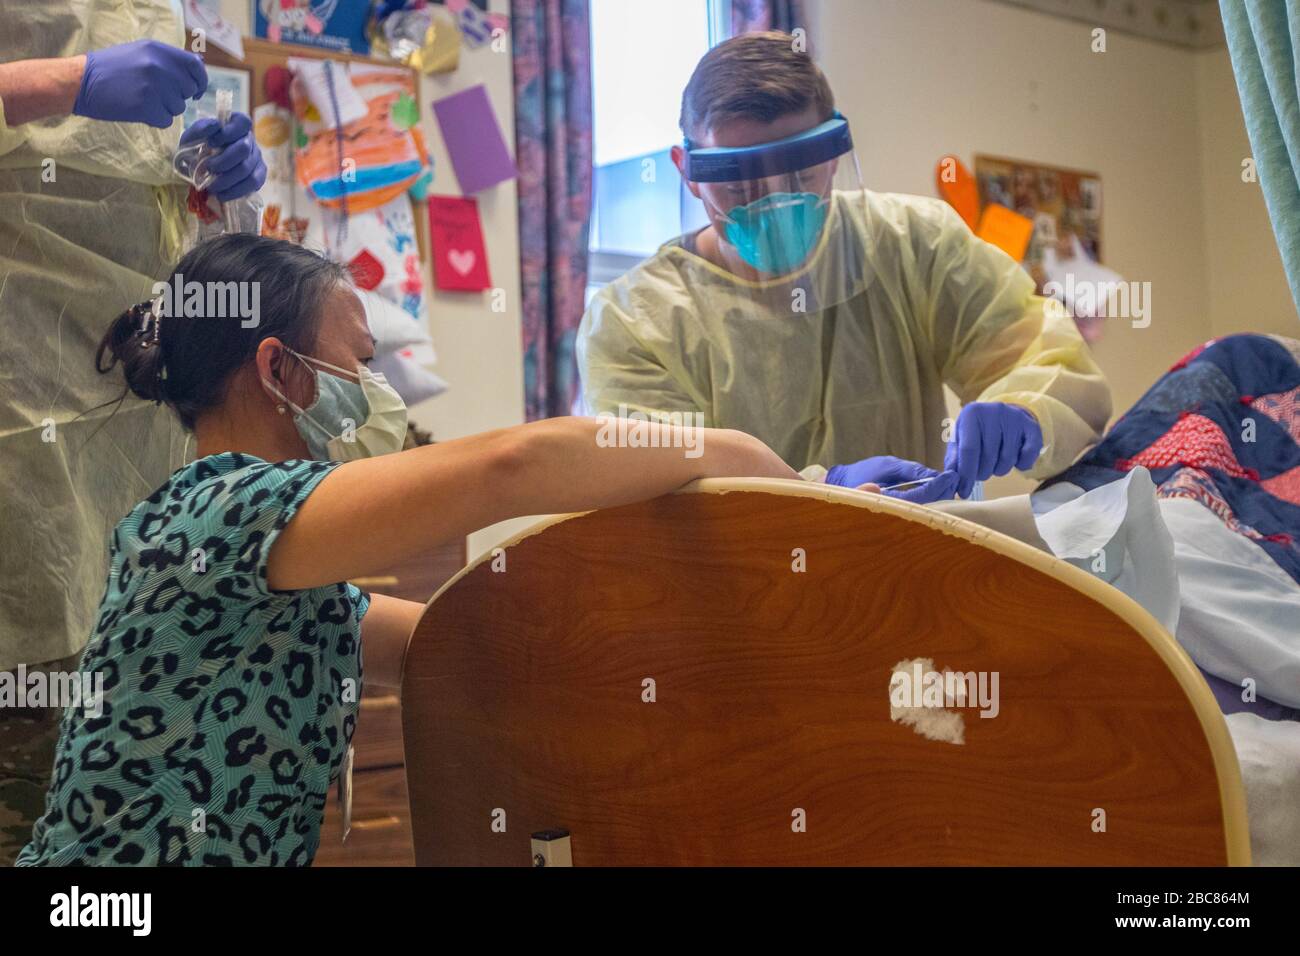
column 349, row 420
column 777, row 233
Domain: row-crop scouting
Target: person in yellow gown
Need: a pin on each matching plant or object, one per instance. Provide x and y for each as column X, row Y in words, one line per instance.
column 91, row 214
column 826, row 319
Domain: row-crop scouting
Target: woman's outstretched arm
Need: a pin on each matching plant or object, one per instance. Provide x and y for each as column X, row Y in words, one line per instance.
column 368, row 515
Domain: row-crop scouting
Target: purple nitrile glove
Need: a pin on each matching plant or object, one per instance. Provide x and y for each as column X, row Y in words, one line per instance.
column 885, row 470
column 239, row 168
column 144, row 81
column 990, row 439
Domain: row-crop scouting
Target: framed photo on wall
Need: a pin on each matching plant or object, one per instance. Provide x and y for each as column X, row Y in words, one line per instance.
column 1063, row 203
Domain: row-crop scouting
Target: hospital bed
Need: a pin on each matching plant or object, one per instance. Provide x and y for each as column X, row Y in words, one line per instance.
column 706, row 679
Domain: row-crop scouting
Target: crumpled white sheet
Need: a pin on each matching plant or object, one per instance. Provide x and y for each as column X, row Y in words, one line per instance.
column 1240, row 610
column 1269, row 754
column 1116, row 532
column 1227, row 603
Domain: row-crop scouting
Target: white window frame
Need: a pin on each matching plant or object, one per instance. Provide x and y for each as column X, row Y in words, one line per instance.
column 604, row 267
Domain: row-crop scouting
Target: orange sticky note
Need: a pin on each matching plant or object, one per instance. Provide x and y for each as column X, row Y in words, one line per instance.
column 957, row 187
column 1007, row 230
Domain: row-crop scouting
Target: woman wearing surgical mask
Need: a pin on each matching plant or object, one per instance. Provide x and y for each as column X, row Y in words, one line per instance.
column 228, row 640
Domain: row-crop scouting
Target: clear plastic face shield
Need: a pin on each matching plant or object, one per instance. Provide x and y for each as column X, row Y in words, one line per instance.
column 770, row 204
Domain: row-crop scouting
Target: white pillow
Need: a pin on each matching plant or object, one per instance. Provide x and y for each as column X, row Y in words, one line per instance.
column 413, row 381
column 392, row 326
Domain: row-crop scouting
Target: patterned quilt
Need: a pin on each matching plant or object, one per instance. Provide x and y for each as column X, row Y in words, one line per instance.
column 1221, row 427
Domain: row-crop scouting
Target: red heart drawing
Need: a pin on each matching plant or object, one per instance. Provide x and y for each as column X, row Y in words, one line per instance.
column 462, row 260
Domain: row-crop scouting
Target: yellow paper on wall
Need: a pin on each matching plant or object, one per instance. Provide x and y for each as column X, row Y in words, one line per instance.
column 1007, row 230
column 441, row 50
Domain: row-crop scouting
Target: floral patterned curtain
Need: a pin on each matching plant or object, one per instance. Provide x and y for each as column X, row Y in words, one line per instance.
column 749, row 16
column 552, row 66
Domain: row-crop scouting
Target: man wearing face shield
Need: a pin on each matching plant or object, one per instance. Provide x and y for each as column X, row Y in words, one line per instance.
column 825, row 319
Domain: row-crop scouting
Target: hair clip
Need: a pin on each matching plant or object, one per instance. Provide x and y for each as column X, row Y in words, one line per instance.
column 148, row 328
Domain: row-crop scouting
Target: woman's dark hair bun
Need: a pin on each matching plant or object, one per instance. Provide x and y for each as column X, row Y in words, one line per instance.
column 132, row 342
column 236, row 290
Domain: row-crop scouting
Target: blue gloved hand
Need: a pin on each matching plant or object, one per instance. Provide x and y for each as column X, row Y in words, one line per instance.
column 885, row 470
column 991, row 438
column 144, row 81
column 239, row 167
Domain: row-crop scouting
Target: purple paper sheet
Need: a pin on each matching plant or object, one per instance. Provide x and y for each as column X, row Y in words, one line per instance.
column 474, row 142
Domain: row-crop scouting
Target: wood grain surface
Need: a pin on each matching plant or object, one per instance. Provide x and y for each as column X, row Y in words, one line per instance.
column 523, row 693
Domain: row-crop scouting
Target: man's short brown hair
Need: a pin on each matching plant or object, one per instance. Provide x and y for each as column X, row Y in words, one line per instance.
column 758, row 76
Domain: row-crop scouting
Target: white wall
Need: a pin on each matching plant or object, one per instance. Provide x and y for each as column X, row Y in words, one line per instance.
column 480, row 352
column 1160, row 124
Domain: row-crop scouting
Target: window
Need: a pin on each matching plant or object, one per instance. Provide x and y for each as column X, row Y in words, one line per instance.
column 641, row 58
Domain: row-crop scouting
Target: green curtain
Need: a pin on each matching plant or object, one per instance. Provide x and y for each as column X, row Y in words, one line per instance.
column 1262, row 39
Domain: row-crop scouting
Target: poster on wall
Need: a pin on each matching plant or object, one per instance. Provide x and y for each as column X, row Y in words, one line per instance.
column 1062, row 203
column 1063, row 253
column 472, row 135
column 338, row 25
column 456, row 237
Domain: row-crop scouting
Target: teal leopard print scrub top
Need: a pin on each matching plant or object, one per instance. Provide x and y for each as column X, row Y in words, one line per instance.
column 227, row 708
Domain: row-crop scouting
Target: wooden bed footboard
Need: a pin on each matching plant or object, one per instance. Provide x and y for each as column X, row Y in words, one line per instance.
column 708, row 679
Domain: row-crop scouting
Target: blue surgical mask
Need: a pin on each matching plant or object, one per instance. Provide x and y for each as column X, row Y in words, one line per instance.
column 777, row 233
column 349, row 420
